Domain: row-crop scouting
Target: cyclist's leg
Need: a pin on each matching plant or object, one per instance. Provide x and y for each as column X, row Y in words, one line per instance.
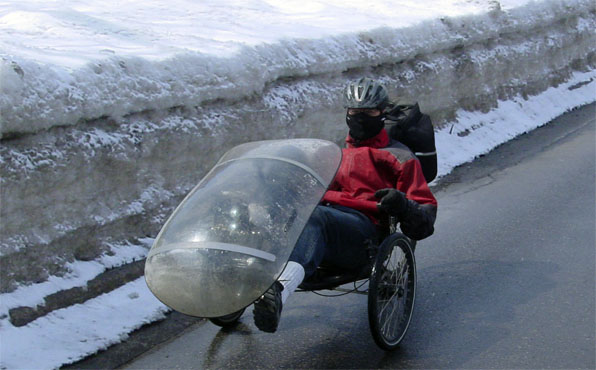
column 310, row 247
column 336, row 234
column 347, row 235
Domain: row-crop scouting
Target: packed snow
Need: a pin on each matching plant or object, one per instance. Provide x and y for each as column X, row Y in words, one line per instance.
column 64, row 63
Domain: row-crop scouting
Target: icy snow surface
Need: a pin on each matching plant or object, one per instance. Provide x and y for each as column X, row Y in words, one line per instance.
column 63, row 61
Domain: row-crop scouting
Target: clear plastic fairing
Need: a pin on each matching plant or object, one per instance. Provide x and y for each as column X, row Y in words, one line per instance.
column 231, row 237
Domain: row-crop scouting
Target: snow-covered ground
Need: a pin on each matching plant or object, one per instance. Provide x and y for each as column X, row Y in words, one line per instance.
column 103, row 105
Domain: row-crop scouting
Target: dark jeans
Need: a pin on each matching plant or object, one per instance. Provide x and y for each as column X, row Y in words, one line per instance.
column 336, row 235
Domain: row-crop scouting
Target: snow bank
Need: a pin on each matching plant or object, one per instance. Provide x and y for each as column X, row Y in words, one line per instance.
column 67, row 335
column 475, row 133
column 108, row 119
column 82, row 85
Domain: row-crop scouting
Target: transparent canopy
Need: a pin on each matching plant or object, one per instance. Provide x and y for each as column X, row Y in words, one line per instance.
column 231, row 237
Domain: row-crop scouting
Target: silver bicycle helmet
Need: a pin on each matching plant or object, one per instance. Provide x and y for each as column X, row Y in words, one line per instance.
column 365, row 93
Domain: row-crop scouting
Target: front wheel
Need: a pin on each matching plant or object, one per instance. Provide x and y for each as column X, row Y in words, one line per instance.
column 227, row 321
column 392, row 291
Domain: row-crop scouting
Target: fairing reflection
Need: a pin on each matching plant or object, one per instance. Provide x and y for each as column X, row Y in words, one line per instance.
column 230, row 238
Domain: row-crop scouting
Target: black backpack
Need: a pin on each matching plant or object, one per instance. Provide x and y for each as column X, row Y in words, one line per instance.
column 406, row 124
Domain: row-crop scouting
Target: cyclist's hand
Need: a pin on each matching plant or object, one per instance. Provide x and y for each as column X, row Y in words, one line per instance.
column 392, row 201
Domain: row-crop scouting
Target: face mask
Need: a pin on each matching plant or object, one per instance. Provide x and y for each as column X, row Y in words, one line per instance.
column 363, row 126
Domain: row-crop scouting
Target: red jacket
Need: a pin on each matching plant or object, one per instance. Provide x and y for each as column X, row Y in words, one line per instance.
column 375, row 164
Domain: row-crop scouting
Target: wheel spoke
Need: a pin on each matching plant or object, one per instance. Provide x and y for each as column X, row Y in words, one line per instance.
column 397, row 280
column 386, row 326
column 386, row 300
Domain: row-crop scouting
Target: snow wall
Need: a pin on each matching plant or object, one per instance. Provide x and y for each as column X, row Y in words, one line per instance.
column 95, row 159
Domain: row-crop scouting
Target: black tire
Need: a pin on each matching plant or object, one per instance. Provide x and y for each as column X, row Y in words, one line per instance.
column 392, row 291
column 227, row 321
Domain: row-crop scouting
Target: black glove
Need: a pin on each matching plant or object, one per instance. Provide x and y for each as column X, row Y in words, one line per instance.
column 393, row 202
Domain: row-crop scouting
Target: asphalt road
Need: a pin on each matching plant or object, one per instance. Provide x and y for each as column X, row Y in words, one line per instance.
column 507, row 281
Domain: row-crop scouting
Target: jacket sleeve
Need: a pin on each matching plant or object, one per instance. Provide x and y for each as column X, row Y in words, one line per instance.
column 419, row 217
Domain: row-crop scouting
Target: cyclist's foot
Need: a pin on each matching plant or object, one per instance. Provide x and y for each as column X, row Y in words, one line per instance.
column 267, row 309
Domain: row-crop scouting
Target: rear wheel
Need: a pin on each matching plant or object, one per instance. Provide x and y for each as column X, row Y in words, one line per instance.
column 227, row 321
column 392, row 291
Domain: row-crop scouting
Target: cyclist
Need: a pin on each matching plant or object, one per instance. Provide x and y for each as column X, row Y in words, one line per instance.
column 377, row 177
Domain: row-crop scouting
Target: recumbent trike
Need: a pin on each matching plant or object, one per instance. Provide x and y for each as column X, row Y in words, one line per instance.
column 230, row 238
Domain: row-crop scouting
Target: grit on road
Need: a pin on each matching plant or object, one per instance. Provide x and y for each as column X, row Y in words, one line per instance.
column 507, row 281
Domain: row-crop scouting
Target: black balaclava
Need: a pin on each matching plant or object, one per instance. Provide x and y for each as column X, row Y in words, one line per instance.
column 362, row 126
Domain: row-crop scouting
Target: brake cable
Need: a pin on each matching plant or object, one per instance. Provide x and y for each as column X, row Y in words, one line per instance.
column 355, row 290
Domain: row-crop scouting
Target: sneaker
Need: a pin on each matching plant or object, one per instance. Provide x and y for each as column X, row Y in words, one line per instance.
column 267, row 309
